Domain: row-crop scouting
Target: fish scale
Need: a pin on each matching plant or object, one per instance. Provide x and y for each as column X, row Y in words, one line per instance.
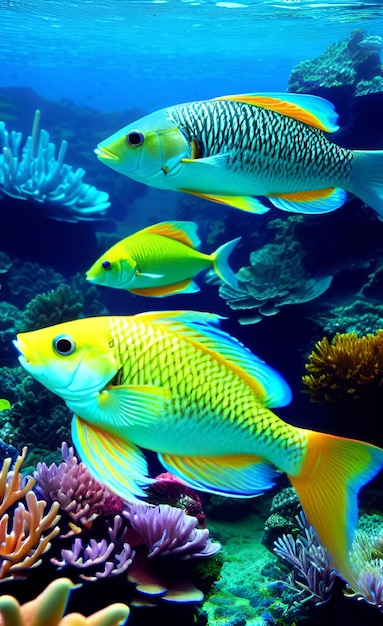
column 153, row 355
column 247, row 133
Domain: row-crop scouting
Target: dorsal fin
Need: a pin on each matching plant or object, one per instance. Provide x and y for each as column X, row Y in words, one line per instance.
column 184, row 232
column 311, row 110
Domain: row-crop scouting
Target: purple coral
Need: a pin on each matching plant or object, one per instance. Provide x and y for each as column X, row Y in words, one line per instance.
column 168, row 530
column 369, row 588
column 313, row 576
column 104, row 558
column 77, row 492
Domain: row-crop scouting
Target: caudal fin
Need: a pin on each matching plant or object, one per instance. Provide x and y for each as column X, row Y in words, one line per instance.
column 221, row 265
column 332, row 474
column 366, row 179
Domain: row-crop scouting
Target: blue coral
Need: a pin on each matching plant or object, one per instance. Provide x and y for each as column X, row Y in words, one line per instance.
column 34, row 173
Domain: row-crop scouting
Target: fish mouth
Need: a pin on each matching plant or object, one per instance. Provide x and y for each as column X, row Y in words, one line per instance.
column 105, row 155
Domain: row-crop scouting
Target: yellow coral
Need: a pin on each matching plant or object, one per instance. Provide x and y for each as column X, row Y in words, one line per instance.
column 47, row 610
column 25, row 532
column 349, row 366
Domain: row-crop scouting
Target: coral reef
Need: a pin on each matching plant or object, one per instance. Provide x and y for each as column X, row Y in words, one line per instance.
column 313, row 576
column 352, row 66
column 347, row 368
column 275, row 278
column 359, row 317
column 56, row 306
column 37, row 418
column 25, row 532
column 101, row 559
column 115, row 537
column 79, row 495
column 33, row 173
column 367, row 560
column 167, row 530
column 169, row 489
column 48, row 609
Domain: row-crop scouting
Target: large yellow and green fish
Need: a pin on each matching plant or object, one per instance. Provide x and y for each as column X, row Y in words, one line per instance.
column 233, row 148
column 176, row 384
column 161, row 260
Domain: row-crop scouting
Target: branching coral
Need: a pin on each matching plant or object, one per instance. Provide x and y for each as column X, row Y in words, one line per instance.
column 48, row 608
column 33, row 173
column 100, row 559
column 25, row 532
column 347, row 367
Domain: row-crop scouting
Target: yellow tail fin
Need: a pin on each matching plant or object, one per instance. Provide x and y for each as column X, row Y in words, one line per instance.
column 332, row 473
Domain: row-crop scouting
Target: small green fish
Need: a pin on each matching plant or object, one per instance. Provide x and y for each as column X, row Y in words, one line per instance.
column 174, row 383
column 160, row 260
column 232, row 148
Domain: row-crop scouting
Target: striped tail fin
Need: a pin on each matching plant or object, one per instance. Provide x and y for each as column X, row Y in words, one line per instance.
column 332, row 473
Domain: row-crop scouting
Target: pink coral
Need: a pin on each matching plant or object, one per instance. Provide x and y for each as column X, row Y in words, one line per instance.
column 77, row 492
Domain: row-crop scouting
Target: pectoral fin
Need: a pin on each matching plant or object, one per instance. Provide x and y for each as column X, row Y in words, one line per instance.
column 235, row 475
column 146, row 275
column 121, row 406
column 113, row 461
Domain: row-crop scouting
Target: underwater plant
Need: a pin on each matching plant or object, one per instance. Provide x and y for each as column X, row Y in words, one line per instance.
column 48, row 609
column 33, row 173
column 313, row 576
column 348, row 367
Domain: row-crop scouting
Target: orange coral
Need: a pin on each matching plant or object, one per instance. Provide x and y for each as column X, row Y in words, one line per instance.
column 25, row 532
column 348, row 367
column 47, row 610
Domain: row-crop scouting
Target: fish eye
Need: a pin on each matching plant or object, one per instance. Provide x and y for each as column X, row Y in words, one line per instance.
column 64, row 344
column 135, row 138
column 106, row 265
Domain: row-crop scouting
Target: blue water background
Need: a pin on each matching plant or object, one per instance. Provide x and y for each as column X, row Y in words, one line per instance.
column 116, row 55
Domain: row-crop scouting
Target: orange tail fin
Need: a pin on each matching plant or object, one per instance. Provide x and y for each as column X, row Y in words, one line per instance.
column 332, row 473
